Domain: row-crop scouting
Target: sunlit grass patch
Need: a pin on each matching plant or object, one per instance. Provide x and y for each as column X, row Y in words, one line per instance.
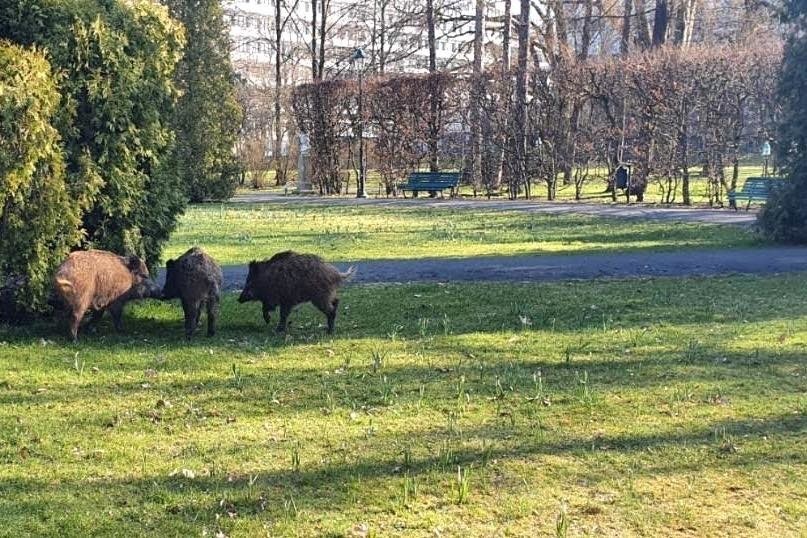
column 237, row 233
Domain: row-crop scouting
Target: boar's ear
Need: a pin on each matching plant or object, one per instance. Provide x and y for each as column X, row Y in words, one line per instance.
column 135, row 265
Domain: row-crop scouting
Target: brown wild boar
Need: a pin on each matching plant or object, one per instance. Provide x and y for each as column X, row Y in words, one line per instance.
column 195, row 278
column 101, row 280
column 288, row 279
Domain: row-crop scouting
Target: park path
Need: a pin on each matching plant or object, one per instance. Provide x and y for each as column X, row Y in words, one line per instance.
column 758, row 261
column 633, row 211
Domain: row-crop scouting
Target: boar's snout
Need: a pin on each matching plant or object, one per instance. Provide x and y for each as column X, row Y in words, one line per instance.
column 148, row 289
column 246, row 296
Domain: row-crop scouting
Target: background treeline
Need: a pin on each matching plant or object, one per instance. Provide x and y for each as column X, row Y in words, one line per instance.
column 112, row 115
column 671, row 112
column 296, row 42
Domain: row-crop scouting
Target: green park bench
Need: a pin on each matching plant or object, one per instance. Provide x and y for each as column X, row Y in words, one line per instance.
column 755, row 189
column 431, row 182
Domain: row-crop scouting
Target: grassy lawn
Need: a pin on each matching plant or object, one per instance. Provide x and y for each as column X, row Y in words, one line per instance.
column 237, row 233
column 650, row 408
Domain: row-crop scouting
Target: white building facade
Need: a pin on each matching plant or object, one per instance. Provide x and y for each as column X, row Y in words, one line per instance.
column 350, row 25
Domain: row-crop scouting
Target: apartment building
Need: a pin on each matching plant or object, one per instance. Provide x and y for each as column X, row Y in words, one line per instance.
column 352, row 24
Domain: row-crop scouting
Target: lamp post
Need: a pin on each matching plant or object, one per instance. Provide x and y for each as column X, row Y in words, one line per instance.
column 357, row 59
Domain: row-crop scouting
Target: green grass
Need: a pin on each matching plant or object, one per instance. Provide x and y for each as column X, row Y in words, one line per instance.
column 237, row 233
column 645, row 408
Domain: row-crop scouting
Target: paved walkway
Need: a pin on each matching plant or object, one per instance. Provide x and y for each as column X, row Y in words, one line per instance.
column 758, row 261
column 633, row 211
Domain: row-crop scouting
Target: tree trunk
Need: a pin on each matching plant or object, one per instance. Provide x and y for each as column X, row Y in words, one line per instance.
column 520, row 113
column 689, row 21
column 506, row 36
column 585, row 36
column 624, row 42
column 374, row 55
column 382, row 38
column 314, row 67
column 661, row 19
column 501, row 167
column 684, row 143
column 477, row 88
column 323, row 26
column 434, row 90
column 280, row 176
column 642, row 26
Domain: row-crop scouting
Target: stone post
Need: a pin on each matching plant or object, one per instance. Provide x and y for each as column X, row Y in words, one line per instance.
column 304, row 165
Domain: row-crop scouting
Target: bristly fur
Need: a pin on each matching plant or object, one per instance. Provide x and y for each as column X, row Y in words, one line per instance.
column 288, row 279
column 196, row 279
column 99, row 280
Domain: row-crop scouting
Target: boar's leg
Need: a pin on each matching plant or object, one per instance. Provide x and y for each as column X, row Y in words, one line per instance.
column 328, row 306
column 332, row 315
column 212, row 314
column 267, row 312
column 116, row 311
column 75, row 320
column 76, row 315
column 282, row 325
column 95, row 319
column 191, row 310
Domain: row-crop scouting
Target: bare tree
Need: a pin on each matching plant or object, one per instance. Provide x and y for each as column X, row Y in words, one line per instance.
column 477, row 88
column 281, row 22
column 434, row 90
column 519, row 142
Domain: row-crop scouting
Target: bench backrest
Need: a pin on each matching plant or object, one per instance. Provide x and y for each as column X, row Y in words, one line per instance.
column 448, row 179
column 759, row 186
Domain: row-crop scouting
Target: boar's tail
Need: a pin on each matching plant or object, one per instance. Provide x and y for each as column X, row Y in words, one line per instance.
column 65, row 286
column 349, row 274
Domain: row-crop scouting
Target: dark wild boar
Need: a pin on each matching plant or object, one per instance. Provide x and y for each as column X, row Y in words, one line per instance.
column 99, row 280
column 288, row 279
column 194, row 278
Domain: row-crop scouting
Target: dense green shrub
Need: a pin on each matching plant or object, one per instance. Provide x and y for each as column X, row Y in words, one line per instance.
column 208, row 115
column 118, row 61
column 39, row 219
column 784, row 217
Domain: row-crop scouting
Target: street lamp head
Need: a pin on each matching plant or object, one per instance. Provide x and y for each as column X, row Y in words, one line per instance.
column 357, row 57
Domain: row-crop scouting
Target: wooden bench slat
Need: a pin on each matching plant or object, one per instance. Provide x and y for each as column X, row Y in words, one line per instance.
column 431, row 181
column 754, row 188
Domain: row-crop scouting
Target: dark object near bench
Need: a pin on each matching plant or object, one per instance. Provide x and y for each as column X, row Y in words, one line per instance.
column 622, row 177
column 755, row 189
column 431, row 182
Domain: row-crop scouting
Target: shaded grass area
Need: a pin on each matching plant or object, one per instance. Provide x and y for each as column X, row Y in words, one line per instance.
column 237, row 233
column 670, row 406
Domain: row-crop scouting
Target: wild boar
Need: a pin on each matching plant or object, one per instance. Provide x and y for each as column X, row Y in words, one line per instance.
column 288, row 279
column 195, row 278
column 101, row 280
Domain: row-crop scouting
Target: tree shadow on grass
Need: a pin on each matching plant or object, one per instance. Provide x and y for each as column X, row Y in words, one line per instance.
column 171, row 504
